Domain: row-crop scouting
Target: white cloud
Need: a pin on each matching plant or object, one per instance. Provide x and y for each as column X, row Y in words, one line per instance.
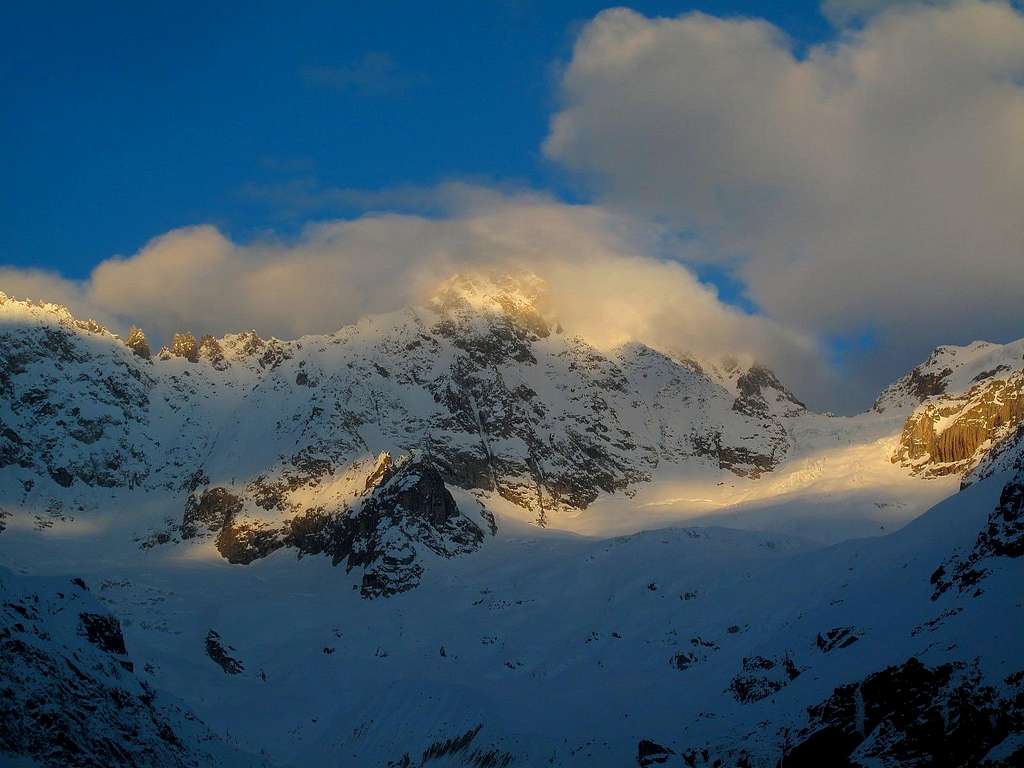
column 604, row 280
column 877, row 181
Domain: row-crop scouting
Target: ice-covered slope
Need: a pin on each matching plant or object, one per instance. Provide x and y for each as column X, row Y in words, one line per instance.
column 951, row 370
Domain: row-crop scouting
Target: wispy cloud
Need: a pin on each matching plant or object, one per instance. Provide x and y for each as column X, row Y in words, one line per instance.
column 605, row 280
column 374, row 72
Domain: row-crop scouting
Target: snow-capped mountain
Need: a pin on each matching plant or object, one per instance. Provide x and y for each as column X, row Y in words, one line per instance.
column 450, row 536
column 970, row 407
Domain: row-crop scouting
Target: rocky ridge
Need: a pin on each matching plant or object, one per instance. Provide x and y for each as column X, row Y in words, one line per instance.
column 968, row 407
column 502, row 401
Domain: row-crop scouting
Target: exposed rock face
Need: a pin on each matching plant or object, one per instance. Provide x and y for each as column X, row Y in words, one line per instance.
column 908, row 715
column 409, row 508
column 929, row 379
column 945, row 437
column 477, row 379
column 104, row 631
column 47, row 434
column 761, row 677
column 137, row 343
column 215, row 510
column 650, row 753
column 393, row 510
column 1003, row 536
column 756, row 386
column 837, row 638
column 951, row 371
column 219, row 654
column 211, row 350
column 210, row 512
column 184, row 345
column 462, row 749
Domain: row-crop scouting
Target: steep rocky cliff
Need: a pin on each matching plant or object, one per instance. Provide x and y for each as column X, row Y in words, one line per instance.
column 967, row 417
column 951, row 435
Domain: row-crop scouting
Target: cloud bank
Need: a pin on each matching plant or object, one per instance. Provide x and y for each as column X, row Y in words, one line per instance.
column 605, row 280
column 876, row 182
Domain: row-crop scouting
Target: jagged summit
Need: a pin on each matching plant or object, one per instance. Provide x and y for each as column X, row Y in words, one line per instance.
column 493, row 289
column 952, row 370
column 519, row 296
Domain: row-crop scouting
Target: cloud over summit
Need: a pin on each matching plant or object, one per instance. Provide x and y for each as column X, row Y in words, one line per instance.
column 603, row 278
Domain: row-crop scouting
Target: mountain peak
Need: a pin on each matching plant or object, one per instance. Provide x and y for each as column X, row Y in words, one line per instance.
column 952, row 370
column 487, row 289
column 519, row 294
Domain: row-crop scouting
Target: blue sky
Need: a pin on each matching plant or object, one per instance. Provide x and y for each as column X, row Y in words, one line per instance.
column 835, row 180
column 124, row 120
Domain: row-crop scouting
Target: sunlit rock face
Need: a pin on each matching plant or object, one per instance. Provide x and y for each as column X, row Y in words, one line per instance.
column 949, row 435
column 965, row 409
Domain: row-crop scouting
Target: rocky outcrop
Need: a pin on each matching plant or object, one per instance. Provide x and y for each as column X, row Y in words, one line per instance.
column 837, row 638
column 761, row 677
column 760, row 392
column 1002, row 537
column 461, row 749
column 209, row 511
column 650, row 753
column 950, row 371
column 137, row 343
column 211, row 350
column 397, row 511
column 184, row 345
column 216, row 511
column 909, row 715
column 219, row 654
column 950, row 436
column 409, row 510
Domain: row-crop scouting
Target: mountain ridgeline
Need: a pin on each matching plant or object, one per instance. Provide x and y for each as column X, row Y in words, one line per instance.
column 362, row 548
column 477, row 385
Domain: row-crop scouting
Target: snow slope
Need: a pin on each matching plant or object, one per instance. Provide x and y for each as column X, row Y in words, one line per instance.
column 574, row 650
column 451, row 536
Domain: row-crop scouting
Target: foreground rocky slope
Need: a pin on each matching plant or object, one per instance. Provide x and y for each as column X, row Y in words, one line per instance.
column 70, row 695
